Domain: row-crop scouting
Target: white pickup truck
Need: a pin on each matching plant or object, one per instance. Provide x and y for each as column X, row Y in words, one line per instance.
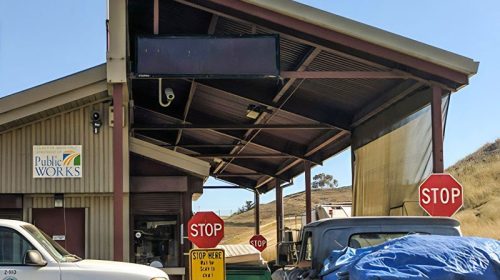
column 26, row 253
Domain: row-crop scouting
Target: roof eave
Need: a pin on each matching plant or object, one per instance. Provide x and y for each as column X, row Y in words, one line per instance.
column 370, row 34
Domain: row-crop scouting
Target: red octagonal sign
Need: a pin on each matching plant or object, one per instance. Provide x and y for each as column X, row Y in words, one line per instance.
column 259, row 242
column 205, row 229
column 440, row 195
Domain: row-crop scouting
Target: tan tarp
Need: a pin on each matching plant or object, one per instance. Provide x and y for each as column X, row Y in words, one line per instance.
column 389, row 169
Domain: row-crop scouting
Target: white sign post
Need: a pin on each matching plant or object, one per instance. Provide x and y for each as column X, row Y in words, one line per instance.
column 57, row 161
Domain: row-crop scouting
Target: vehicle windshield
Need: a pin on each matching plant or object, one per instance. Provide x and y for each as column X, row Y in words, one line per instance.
column 371, row 239
column 54, row 249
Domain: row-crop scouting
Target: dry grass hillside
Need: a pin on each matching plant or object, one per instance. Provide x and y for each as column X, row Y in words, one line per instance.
column 238, row 229
column 479, row 174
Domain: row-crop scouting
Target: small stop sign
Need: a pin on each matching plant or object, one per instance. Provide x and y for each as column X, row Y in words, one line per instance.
column 205, row 229
column 440, row 195
column 259, row 242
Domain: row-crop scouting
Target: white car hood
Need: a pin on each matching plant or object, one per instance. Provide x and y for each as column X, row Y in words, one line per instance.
column 130, row 269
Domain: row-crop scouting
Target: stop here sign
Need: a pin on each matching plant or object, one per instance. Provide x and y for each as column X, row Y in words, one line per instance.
column 440, row 195
column 259, row 242
column 205, row 229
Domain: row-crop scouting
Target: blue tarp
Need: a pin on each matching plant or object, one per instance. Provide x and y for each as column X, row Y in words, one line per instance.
column 418, row 257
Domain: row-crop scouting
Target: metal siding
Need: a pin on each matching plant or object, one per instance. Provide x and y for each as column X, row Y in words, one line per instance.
column 71, row 128
column 100, row 211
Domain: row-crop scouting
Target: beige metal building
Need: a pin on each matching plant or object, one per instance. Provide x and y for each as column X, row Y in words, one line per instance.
column 78, row 212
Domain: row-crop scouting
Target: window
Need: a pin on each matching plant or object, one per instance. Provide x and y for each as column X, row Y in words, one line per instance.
column 308, row 247
column 13, row 247
column 362, row 240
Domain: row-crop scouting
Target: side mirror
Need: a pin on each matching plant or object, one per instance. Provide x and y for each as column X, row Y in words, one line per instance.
column 34, row 258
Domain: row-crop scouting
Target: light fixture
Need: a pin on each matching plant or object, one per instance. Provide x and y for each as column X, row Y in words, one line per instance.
column 58, row 200
column 254, row 111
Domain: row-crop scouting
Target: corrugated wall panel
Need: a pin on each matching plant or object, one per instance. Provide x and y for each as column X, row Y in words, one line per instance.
column 69, row 128
column 100, row 220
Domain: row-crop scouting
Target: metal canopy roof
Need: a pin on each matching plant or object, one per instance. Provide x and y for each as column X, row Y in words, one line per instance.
column 328, row 85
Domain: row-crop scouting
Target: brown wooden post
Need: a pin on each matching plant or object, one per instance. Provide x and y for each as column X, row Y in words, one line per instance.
column 257, row 212
column 307, row 168
column 118, row 172
column 156, row 17
column 279, row 212
column 437, row 130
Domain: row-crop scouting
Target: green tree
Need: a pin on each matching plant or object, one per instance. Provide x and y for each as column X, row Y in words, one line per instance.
column 322, row 180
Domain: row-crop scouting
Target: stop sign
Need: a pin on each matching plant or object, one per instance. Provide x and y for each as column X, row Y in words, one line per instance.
column 440, row 195
column 259, row 242
column 205, row 229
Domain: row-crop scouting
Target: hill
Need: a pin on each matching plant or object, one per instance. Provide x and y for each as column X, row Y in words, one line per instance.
column 479, row 174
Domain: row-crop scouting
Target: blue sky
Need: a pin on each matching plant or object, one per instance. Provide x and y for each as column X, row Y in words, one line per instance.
column 44, row 40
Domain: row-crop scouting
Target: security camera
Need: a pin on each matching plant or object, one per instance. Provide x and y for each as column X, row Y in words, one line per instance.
column 96, row 116
column 169, row 93
column 96, row 121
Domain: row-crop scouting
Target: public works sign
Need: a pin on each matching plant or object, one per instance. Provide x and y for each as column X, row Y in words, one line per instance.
column 57, row 161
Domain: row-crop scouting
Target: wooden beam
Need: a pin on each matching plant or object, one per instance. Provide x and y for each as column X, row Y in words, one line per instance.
column 156, row 17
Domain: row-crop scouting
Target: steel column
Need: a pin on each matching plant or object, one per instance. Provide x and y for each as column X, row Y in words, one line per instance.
column 307, row 169
column 279, row 212
column 257, row 212
column 437, row 130
column 118, row 172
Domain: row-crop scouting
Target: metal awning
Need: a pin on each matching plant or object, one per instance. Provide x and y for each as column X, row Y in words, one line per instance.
column 328, row 84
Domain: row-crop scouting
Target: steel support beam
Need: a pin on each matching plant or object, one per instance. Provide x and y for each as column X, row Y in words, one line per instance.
column 279, row 213
column 202, row 145
column 246, row 156
column 437, row 130
column 225, row 187
column 307, row 168
column 118, row 172
column 257, row 211
column 343, row 75
column 183, row 126
column 236, row 175
column 342, row 123
column 273, row 143
column 385, row 100
column 192, row 90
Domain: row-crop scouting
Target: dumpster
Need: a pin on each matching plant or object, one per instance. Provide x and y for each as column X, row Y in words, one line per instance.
column 244, row 262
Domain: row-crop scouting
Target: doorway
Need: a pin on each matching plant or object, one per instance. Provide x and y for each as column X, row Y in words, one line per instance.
column 66, row 226
column 156, row 239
